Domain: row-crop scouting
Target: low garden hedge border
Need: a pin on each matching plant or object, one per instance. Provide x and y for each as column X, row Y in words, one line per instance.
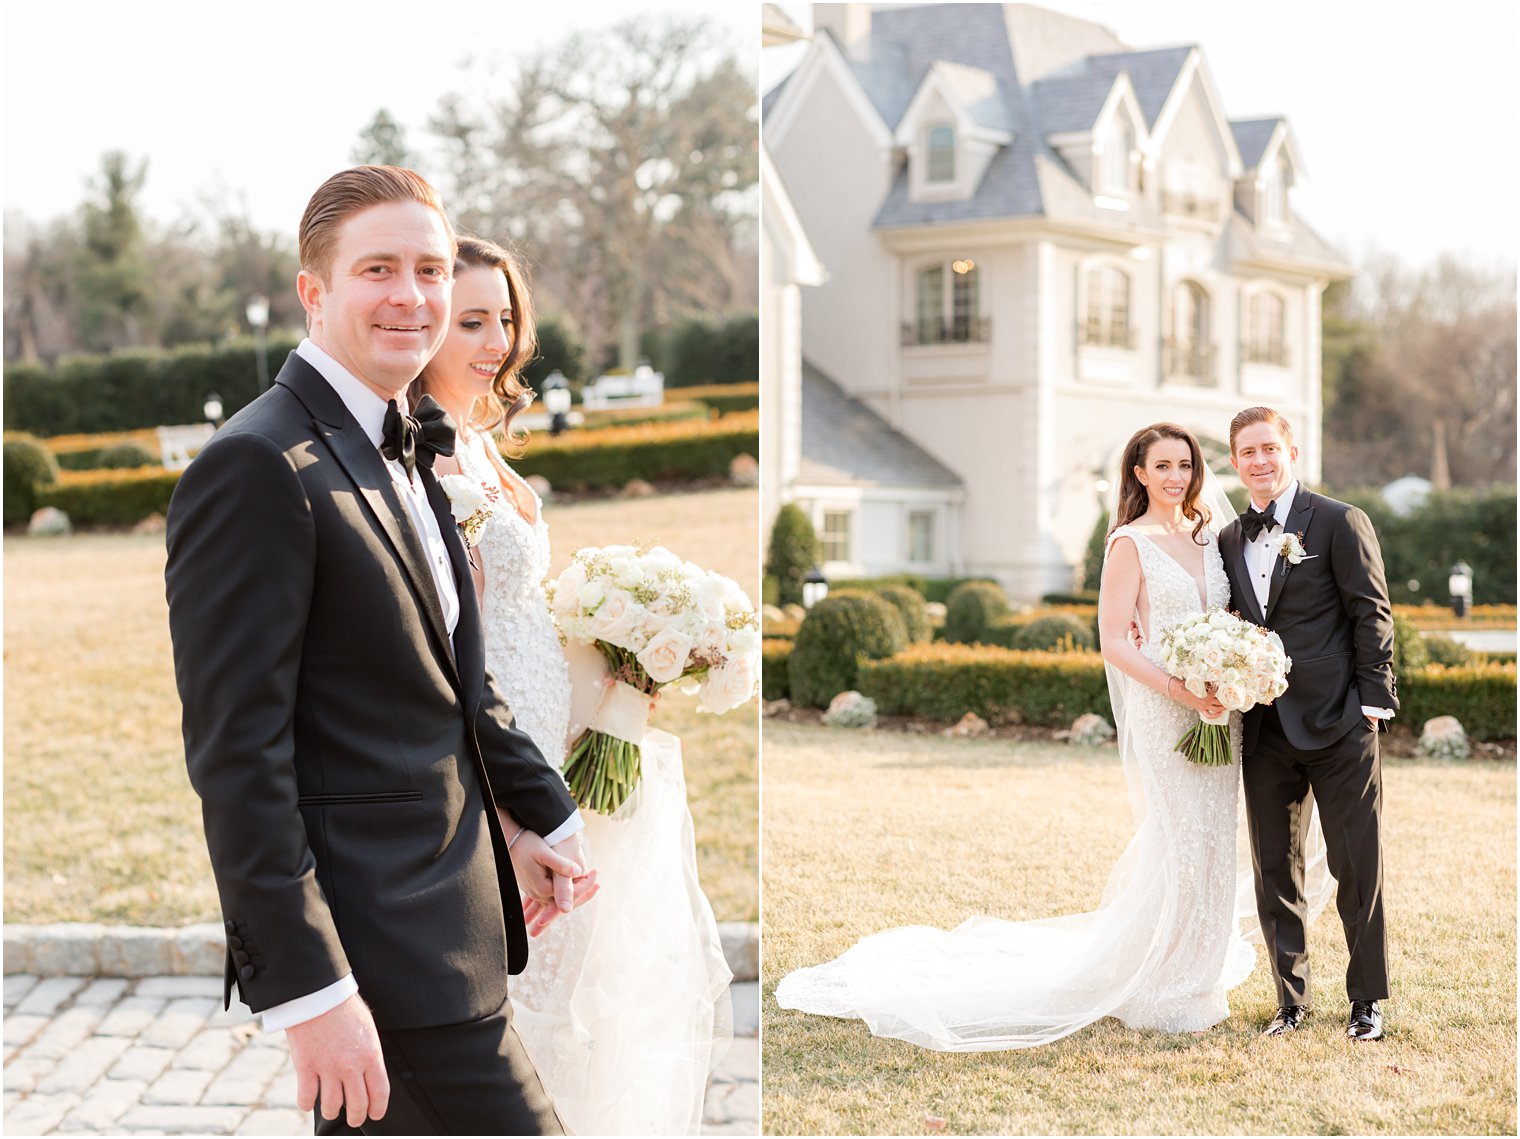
column 111, row 497
column 775, row 682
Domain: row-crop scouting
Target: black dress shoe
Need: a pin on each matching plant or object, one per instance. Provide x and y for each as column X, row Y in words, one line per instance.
column 1366, row 1021
column 1287, row 1020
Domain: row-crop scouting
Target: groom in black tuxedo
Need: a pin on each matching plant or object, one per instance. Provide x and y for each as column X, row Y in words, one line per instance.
column 366, row 797
column 1309, row 568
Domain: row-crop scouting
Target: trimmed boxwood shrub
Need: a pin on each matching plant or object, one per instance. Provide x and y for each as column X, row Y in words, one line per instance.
column 725, row 399
column 111, row 498
column 793, row 551
column 1448, row 651
column 910, row 604
column 29, row 469
column 774, row 682
column 1409, row 651
column 929, row 588
column 1055, row 632
column 1481, row 697
column 613, row 456
column 972, row 609
column 839, row 632
column 124, row 456
column 944, row 682
column 1428, row 617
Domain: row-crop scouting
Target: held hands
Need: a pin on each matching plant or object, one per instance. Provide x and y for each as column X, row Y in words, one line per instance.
column 337, row 1055
column 553, row 879
column 1207, row 705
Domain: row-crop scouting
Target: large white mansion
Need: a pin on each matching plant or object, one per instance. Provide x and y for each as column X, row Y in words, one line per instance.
column 997, row 242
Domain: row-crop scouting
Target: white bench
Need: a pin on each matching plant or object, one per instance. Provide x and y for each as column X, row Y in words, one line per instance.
column 644, row 388
column 178, row 444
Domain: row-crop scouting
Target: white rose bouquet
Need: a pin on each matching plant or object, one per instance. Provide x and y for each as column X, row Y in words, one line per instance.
column 1245, row 663
column 659, row 621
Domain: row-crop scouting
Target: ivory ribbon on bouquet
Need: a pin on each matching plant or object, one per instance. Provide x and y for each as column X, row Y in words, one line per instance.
column 623, row 714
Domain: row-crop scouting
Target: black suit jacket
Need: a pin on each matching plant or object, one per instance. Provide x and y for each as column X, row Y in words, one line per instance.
column 344, row 756
column 1332, row 613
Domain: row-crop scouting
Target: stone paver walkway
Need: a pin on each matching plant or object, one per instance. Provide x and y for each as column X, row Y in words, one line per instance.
column 101, row 1055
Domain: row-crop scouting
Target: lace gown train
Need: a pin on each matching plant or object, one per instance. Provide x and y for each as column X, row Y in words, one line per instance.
column 1161, row 950
column 624, row 1005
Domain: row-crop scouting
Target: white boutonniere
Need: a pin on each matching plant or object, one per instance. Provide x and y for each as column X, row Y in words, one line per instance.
column 1290, row 547
column 472, row 502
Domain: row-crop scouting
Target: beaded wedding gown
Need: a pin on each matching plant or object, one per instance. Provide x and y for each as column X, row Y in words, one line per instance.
column 1164, row 945
column 624, row 1004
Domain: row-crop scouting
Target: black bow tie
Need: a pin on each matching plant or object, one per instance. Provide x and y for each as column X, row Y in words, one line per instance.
column 417, row 439
column 1253, row 521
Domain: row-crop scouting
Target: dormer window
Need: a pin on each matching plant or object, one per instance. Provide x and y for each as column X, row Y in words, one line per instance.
column 941, row 155
column 1114, row 158
column 1274, row 193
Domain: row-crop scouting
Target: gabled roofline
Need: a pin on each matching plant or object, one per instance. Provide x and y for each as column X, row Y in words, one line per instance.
column 1123, row 93
column 1282, row 139
column 822, row 57
column 1195, row 67
column 935, row 82
column 805, row 266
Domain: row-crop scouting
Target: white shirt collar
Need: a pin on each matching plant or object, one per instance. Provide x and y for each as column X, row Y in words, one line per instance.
column 1283, row 503
column 367, row 408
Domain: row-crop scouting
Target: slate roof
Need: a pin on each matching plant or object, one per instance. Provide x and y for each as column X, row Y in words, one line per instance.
column 1251, row 138
column 844, row 442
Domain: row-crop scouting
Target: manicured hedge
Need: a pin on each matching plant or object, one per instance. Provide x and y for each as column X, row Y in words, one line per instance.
column 111, row 497
column 671, row 411
column 775, row 684
column 30, row 468
column 134, row 389
column 725, row 399
column 1481, row 697
column 944, row 682
column 613, row 456
column 933, row 588
column 1442, row 618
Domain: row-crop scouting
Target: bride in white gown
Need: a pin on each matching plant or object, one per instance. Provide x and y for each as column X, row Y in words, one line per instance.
column 1168, row 939
column 624, row 1004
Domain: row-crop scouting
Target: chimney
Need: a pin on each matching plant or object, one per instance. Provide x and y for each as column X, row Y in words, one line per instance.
column 850, row 24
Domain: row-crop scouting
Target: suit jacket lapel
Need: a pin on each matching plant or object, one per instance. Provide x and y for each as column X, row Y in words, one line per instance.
column 1232, row 549
column 362, row 463
column 1297, row 523
column 469, row 649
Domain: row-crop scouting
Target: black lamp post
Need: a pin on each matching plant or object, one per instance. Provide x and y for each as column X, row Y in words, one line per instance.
column 258, row 317
column 1459, row 585
column 815, row 587
column 557, row 401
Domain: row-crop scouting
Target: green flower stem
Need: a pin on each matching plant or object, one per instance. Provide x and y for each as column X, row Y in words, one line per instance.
column 1207, row 744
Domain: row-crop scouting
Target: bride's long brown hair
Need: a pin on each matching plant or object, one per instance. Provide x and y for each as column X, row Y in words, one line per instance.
column 1134, row 500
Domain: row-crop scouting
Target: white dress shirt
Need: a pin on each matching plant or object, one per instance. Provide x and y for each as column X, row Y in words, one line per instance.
column 1261, row 562
column 368, row 410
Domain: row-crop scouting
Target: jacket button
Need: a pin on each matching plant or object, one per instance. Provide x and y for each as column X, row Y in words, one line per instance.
column 246, row 972
column 234, row 942
column 241, row 957
column 231, row 926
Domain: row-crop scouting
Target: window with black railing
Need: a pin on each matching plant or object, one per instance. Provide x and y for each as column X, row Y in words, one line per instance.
column 1265, row 340
column 947, row 303
column 1187, row 353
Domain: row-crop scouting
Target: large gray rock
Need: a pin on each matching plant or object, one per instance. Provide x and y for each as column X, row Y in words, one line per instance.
column 49, row 522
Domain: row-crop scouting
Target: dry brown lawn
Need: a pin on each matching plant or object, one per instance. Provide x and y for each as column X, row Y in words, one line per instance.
column 865, row 830
column 100, row 821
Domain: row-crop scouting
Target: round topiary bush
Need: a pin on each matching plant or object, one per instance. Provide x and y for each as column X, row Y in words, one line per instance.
column 972, row 607
column 1056, row 632
column 910, row 603
column 29, row 466
column 123, row 456
column 794, row 550
column 1448, row 651
column 1409, row 651
column 839, row 632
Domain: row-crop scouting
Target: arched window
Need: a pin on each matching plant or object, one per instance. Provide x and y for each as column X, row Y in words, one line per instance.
column 1265, row 339
column 1106, row 318
column 941, row 167
column 1188, row 351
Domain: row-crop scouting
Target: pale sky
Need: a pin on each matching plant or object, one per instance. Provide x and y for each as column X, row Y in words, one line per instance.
column 263, row 98
column 1405, row 113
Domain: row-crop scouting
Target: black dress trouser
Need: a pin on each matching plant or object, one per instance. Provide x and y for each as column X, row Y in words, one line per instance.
column 459, row 1079
column 1346, row 780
